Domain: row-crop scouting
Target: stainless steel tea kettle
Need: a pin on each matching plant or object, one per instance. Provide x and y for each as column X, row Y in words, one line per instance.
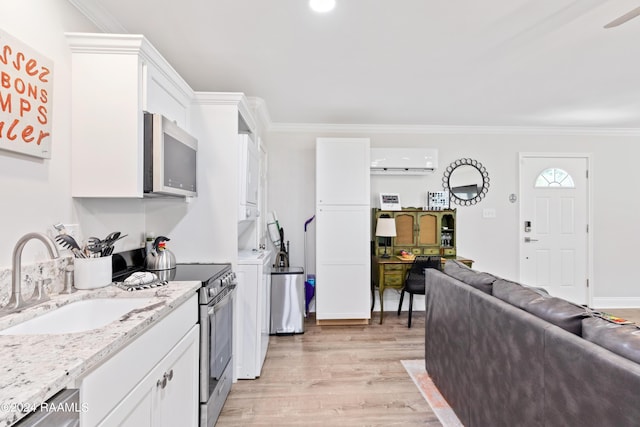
column 161, row 260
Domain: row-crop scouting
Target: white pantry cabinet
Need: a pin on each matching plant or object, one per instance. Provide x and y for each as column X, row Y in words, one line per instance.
column 343, row 286
column 151, row 382
column 252, row 313
column 342, row 171
column 115, row 78
column 343, row 216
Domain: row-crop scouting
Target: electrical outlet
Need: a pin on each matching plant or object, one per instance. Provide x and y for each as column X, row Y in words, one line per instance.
column 488, row 213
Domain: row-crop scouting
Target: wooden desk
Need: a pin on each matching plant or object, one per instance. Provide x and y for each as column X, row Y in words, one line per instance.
column 391, row 272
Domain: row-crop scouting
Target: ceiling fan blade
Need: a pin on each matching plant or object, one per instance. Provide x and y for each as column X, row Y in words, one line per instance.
column 624, row 18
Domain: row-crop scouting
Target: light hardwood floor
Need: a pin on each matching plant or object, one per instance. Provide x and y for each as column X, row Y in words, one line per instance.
column 336, row 376
column 341, row 376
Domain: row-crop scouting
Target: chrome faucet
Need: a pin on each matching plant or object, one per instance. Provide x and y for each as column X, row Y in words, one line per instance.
column 16, row 301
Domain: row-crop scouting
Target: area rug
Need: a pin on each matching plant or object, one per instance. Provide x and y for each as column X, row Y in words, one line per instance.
column 430, row 392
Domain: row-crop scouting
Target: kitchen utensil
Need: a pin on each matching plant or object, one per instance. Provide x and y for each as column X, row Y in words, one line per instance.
column 161, row 260
column 110, row 240
column 94, row 248
column 68, row 242
column 112, row 236
column 94, row 241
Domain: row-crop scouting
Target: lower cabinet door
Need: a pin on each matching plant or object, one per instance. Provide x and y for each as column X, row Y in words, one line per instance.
column 168, row 395
column 343, row 263
column 251, row 318
column 176, row 402
column 137, row 410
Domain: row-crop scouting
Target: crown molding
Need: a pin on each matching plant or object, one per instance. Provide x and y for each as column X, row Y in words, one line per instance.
column 234, row 99
column 261, row 113
column 131, row 44
column 98, row 15
column 444, row 130
column 219, row 98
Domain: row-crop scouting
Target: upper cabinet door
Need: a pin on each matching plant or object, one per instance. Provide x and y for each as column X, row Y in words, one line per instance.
column 342, row 171
column 428, row 232
column 405, row 229
column 115, row 78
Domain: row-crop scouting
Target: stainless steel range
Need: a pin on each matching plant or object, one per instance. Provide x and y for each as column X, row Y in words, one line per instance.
column 216, row 330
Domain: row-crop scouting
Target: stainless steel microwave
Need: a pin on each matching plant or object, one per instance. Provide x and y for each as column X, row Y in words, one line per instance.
column 170, row 158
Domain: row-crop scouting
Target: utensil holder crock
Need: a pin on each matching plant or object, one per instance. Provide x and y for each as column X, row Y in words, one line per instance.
column 92, row 273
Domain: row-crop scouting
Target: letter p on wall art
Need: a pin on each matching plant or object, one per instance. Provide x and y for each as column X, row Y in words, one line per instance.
column 26, row 88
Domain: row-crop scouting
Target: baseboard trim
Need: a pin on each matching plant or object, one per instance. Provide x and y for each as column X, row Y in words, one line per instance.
column 341, row 322
column 616, row 302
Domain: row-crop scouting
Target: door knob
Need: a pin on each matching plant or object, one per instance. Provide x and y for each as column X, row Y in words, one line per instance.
column 529, row 240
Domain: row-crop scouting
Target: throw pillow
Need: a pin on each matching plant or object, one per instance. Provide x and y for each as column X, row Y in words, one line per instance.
column 623, row 340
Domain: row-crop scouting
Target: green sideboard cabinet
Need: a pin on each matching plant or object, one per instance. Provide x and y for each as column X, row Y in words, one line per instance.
column 420, row 232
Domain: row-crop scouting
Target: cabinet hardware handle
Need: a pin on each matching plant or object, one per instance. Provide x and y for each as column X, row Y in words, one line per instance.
column 163, row 382
column 165, row 378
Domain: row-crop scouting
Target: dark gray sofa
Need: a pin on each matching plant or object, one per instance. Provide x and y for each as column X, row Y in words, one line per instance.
column 499, row 365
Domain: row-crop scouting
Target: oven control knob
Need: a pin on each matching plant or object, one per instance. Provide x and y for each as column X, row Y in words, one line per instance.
column 212, row 292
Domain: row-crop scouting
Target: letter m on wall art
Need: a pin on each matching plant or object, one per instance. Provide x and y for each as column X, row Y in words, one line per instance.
column 26, row 89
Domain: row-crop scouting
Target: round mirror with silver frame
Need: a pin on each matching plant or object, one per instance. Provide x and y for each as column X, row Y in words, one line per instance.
column 467, row 181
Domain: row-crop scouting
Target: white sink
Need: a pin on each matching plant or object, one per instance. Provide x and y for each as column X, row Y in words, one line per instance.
column 77, row 316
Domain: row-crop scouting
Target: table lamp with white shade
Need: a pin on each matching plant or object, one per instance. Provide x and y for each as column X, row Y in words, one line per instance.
column 386, row 227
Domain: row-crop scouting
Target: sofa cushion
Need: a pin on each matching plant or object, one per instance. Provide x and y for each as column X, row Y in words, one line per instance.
column 479, row 280
column 557, row 311
column 623, row 340
column 514, row 293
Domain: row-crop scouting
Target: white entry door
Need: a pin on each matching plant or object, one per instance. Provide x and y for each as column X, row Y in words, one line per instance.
column 554, row 212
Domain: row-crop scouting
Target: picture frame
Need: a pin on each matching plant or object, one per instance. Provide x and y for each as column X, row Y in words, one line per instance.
column 390, row 202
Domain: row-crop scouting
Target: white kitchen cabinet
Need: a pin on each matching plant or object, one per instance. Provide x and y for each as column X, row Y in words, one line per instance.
column 248, row 177
column 252, row 313
column 342, row 171
column 343, row 272
column 164, row 398
column 128, row 389
column 115, row 78
column 343, row 287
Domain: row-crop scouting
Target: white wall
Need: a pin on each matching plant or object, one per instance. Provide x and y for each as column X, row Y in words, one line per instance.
column 36, row 193
column 492, row 243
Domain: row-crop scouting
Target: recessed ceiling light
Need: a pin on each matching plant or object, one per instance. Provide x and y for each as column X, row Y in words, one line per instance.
column 322, row 6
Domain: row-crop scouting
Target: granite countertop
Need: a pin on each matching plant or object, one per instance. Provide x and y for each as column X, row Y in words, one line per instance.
column 35, row 367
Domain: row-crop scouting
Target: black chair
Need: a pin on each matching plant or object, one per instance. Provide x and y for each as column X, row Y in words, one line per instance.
column 414, row 282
